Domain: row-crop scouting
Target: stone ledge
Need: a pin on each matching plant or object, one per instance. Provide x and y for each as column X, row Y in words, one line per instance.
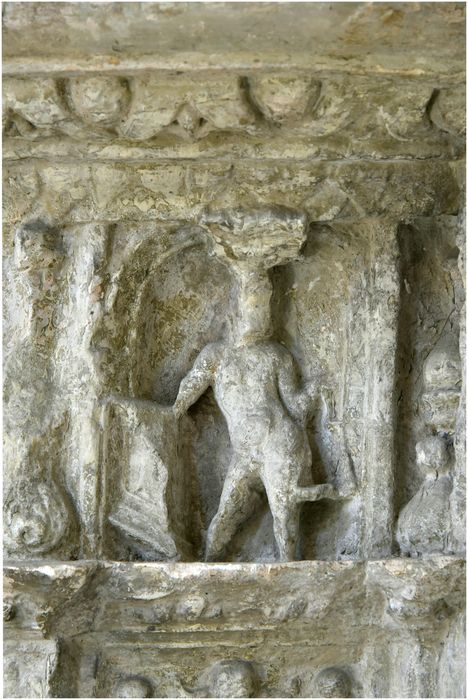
column 161, row 597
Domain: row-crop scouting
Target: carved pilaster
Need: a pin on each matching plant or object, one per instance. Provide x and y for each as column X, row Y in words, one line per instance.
column 382, row 306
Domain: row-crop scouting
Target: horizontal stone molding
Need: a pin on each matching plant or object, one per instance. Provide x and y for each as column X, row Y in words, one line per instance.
column 326, row 191
column 164, row 598
column 380, row 38
column 326, row 114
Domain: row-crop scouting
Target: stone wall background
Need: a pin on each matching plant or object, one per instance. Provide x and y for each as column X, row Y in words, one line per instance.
column 124, row 124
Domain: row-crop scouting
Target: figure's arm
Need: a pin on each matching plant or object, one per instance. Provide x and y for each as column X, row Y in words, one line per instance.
column 197, row 380
column 297, row 401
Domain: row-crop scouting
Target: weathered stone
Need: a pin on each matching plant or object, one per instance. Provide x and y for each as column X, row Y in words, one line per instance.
column 98, row 100
column 234, row 349
column 131, row 628
column 423, row 524
column 333, row 683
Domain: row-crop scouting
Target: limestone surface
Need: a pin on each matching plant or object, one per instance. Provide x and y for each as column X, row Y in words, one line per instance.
column 234, row 343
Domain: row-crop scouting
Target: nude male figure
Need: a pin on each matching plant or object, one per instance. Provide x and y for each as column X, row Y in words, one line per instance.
column 254, row 383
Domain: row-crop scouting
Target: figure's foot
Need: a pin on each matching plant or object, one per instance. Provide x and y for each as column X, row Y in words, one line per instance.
column 213, row 555
column 213, row 550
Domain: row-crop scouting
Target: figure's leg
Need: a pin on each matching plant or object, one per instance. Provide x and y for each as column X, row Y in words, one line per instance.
column 315, row 493
column 285, row 506
column 286, row 529
column 285, row 510
column 235, row 506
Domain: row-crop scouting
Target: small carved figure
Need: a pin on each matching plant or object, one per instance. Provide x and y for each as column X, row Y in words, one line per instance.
column 424, row 523
column 255, row 386
column 423, row 526
column 332, row 683
column 233, row 679
column 442, row 380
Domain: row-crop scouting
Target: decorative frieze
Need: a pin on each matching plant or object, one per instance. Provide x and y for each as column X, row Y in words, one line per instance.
column 180, row 191
column 191, row 630
column 182, row 111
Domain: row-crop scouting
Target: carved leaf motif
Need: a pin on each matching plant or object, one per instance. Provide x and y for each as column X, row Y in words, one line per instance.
column 273, row 235
column 35, row 101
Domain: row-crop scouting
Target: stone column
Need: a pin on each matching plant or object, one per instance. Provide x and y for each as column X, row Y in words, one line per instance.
column 82, row 376
column 382, row 304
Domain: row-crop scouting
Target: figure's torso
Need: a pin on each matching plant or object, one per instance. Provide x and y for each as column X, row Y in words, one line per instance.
column 246, row 389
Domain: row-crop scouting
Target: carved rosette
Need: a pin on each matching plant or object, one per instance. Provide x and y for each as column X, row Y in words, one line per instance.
column 35, row 518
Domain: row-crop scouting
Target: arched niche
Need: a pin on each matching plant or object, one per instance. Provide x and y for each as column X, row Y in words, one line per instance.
column 181, row 308
column 168, row 299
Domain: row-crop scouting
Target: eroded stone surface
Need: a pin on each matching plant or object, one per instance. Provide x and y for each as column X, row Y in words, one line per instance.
column 234, row 331
column 254, row 630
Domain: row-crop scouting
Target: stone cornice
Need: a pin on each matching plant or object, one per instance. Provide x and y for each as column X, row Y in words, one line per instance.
column 250, row 114
column 414, row 39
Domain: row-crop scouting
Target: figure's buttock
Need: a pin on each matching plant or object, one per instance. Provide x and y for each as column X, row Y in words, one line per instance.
column 246, row 389
column 250, row 433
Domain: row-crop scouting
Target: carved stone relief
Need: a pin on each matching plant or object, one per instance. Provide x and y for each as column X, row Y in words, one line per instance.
column 234, row 350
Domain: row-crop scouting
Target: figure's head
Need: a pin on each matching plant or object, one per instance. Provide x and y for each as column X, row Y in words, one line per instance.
column 333, row 683
column 442, row 368
column 233, row 679
column 432, row 454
